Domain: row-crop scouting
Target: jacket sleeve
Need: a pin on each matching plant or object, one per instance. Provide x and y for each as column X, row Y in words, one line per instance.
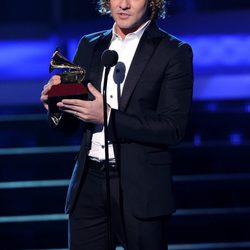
column 167, row 124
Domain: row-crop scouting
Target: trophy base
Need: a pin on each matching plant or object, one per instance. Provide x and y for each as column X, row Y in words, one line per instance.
column 65, row 91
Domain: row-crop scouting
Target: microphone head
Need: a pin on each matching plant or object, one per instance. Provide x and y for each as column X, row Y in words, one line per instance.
column 109, row 58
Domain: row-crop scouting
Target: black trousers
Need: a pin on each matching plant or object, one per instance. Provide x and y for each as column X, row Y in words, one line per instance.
column 88, row 221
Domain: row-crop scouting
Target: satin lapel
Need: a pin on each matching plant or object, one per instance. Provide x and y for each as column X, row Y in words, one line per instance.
column 96, row 65
column 146, row 47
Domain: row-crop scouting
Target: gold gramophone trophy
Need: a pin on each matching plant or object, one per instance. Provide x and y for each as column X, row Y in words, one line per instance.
column 71, row 86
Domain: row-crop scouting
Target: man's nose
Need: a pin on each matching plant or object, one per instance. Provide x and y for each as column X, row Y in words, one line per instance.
column 124, row 4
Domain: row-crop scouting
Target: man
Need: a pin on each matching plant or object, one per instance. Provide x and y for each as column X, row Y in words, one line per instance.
column 149, row 95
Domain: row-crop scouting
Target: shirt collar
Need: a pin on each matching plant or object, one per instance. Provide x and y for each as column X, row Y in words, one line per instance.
column 138, row 33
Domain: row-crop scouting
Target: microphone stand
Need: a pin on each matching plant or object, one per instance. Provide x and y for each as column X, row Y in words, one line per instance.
column 106, row 161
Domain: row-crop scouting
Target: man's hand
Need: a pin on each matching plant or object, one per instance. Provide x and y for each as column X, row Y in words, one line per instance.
column 54, row 80
column 87, row 111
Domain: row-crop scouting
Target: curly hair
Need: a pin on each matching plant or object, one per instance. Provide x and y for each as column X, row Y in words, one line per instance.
column 157, row 8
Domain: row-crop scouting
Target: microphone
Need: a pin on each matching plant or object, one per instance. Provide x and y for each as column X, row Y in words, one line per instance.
column 109, row 58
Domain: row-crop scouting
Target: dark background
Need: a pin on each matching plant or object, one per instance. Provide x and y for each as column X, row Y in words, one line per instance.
column 211, row 166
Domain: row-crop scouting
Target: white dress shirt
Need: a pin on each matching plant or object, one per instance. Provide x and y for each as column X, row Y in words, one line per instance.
column 126, row 49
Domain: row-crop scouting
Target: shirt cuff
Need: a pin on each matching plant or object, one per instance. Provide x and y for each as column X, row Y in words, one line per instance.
column 56, row 118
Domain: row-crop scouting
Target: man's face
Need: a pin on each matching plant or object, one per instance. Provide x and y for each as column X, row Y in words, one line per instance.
column 129, row 15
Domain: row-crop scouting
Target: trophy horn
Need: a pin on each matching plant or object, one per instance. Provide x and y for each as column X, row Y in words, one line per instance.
column 58, row 61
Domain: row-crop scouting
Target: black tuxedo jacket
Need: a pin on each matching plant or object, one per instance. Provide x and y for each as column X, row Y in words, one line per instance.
column 153, row 114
